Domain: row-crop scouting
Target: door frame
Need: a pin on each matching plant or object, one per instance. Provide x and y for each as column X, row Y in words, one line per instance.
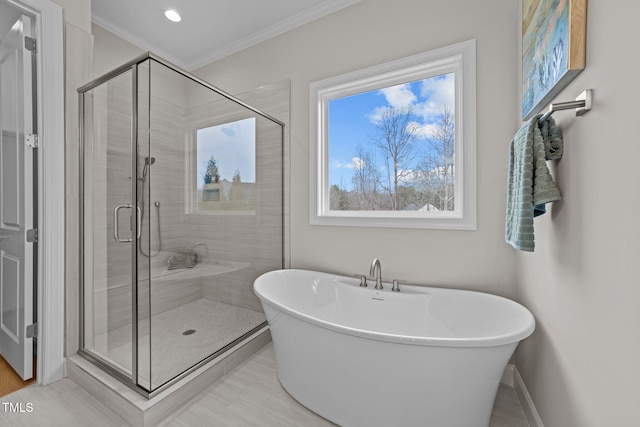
column 48, row 25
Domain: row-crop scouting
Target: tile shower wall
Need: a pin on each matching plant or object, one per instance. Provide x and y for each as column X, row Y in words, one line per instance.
column 110, row 51
column 166, row 224
column 255, row 240
column 229, row 238
column 111, row 285
column 108, row 122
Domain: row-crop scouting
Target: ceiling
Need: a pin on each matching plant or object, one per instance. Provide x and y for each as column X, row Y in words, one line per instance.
column 210, row 29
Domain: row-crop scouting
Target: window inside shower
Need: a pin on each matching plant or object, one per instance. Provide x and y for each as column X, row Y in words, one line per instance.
column 165, row 289
column 224, row 171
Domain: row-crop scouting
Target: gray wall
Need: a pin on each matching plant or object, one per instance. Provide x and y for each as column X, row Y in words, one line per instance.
column 583, row 283
column 581, row 364
column 366, row 34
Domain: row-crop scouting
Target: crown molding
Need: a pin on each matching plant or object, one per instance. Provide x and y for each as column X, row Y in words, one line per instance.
column 135, row 40
column 309, row 15
column 281, row 27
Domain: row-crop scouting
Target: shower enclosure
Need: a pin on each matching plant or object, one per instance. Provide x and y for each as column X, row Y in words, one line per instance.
column 181, row 209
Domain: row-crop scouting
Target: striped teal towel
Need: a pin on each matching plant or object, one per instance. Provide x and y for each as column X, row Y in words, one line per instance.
column 530, row 183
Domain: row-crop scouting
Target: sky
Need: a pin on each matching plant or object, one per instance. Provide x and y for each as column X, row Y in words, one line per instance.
column 352, row 119
column 233, row 145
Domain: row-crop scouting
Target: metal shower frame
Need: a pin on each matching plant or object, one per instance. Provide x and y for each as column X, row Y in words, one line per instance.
column 133, row 380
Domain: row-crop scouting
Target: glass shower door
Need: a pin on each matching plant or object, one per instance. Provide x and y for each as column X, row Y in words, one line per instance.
column 181, row 209
column 211, row 223
column 108, row 222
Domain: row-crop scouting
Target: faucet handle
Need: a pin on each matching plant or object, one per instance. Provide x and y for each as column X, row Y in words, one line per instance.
column 396, row 285
column 363, row 279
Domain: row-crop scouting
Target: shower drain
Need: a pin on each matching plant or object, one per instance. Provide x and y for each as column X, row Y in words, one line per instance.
column 189, row 332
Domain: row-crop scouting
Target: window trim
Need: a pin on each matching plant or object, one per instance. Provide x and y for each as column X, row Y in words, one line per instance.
column 459, row 58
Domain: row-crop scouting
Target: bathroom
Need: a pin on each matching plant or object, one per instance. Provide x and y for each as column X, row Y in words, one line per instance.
column 581, row 284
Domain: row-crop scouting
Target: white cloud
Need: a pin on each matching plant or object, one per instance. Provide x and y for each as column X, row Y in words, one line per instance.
column 356, row 163
column 439, row 92
column 376, row 116
column 408, row 176
column 399, row 96
column 422, row 130
column 435, row 92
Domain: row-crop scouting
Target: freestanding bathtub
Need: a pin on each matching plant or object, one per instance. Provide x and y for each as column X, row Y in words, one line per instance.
column 364, row 357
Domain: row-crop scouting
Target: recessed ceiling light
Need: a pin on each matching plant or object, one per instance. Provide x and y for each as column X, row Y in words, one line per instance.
column 172, row 15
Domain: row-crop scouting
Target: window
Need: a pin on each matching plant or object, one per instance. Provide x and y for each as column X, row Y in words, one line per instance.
column 226, row 167
column 394, row 145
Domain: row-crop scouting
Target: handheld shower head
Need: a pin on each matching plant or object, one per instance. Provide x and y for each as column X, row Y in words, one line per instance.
column 148, row 161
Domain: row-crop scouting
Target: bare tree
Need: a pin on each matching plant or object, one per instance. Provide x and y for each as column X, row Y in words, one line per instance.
column 366, row 178
column 394, row 137
column 436, row 170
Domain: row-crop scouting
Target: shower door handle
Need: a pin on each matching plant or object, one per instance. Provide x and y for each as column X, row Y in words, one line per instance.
column 116, row 228
column 139, row 225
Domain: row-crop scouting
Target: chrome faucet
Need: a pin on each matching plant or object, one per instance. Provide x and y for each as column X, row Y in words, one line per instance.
column 376, row 272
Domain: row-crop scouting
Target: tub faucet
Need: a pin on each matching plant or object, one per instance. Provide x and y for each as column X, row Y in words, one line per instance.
column 376, row 272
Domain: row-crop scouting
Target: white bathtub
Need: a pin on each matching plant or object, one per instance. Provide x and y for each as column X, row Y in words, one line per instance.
column 363, row 357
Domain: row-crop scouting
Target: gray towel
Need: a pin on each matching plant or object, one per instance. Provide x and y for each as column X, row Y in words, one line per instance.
column 179, row 261
column 530, row 183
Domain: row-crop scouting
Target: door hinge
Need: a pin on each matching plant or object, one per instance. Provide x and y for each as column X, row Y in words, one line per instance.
column 32, row 140
column 32, row 235
column 30, row 44
column 32, row 330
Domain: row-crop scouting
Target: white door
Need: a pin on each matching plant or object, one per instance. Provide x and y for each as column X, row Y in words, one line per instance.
column 17, row 228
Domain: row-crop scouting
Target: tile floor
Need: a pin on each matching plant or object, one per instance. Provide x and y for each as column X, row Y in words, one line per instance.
column 173, row 352
column 249, row 396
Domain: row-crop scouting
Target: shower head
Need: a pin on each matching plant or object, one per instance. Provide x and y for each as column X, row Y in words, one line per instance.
column 148, row 161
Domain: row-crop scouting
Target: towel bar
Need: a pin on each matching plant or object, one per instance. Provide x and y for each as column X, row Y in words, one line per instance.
column 582, row 104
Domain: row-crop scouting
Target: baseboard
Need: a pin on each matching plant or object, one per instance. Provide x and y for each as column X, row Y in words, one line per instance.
column 507, row 376
column 530, row 412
